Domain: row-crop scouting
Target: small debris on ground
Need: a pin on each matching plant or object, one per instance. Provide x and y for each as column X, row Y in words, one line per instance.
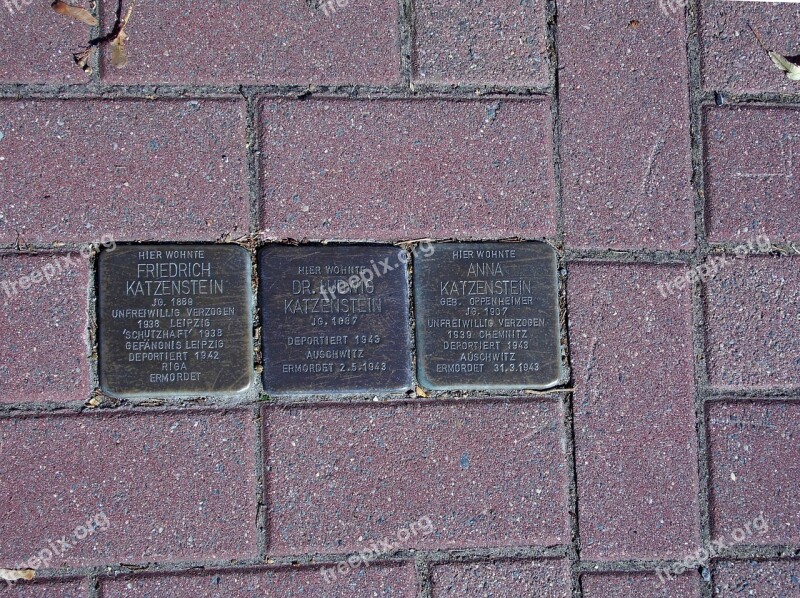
column 791, row 69
column 116, row 39
column 76, row 12
column 17, row 574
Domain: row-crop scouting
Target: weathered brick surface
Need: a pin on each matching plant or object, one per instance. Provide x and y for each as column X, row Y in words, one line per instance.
column 471, row 41
column 47, row 589
column 753, row 323
column 343, row 477
column 636, row 451
column 260, row 42
column 167, row 170
column 172, row 486
column 44, row 352
column 37, row 44
column 757, row 579
column 750, row 168
column 400, row 169
column 625, row 150
column 375, row 580
column 507, row 578
column 297, row 118
column 755, row 469
column 639, row 584
column 732, row 58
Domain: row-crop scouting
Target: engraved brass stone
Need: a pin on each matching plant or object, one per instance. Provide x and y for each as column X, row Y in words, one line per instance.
column 487, row 316
column 334, row 319
column 175, row 320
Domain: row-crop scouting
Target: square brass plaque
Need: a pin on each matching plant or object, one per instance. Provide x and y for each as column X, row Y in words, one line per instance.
column 487, row 316
column 334, row 319
column 175, row 320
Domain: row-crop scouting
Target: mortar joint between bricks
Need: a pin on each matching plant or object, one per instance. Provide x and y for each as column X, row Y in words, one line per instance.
column 299, row 91
column 700, row 253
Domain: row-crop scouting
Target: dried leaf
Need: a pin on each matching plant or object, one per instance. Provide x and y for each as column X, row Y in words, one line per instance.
column 421, row 392
column 15, row 574
column 76, row 12
column 791, row 69
column 127, row 17
column 119, row 57
column 83, row 58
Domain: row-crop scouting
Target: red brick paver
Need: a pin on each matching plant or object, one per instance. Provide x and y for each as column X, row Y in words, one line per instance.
column 134, row 169
column 499, row 41
column 753, row 323
column 397, row 169
column 639, row 584
column 510, row 579
column 36, row 43
column 756, row 579
column 732, row 58
column 634, row 412
column 755, row 472
column 375, row 580
column 751, row 163
column 625, row 165
column 43, row 324
column 154, row 487
column 382, row 469
column 260, row 42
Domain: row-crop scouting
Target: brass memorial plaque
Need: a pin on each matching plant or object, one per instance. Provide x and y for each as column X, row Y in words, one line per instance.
column 334, row 319
column 175, row 320
column 487, row 316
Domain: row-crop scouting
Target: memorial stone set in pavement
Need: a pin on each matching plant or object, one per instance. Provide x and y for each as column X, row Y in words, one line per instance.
column 209, row 407
column 178, row 319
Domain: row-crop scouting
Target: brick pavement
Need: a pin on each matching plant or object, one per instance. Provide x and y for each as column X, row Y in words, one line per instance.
column 652, row 144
